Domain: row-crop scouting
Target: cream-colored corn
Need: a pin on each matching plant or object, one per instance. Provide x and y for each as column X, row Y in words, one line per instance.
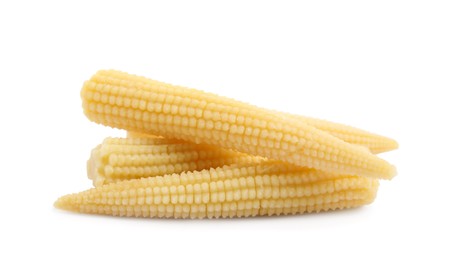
column 121, row 159
column 375, row 143
column 139, row 135
column 372, row 142
column 142, row 105
column 266, row 188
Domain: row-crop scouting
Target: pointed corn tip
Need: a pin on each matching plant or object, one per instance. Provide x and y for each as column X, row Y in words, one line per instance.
column 390, row 146
column 393, row 172
column 393, row 146
column 59, row 203
column 374, row 167
column 65, row 203
column 387, row 174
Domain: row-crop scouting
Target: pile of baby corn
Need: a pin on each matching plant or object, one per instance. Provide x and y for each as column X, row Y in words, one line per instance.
column 191, row 154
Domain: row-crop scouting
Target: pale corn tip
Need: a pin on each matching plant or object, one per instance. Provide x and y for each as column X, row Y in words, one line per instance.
column 67, row 202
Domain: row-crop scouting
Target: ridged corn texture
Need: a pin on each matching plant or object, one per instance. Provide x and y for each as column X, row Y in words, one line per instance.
column 140, row 135
column 372, row 142
column 119, row 159
column 375, row 143
column 266, row 188
column 142, row 105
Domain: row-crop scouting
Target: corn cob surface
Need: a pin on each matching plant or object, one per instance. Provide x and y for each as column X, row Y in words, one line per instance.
column 121, row 159
column 375, row 143
column 372, row 142
column 138, row 104
column 265, row 188
column 140, row 135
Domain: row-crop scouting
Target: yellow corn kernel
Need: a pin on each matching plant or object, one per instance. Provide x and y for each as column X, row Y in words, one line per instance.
column 121, row 159
column 139, row 135
column 153, row 140
column 265, row 188
column 142, row 105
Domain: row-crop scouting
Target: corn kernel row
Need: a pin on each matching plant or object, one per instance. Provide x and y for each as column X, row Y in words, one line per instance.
column 121, row 159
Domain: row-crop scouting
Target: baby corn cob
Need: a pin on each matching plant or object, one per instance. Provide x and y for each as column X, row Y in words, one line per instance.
column 138, row 104
column 265, row 188
column 121, row 159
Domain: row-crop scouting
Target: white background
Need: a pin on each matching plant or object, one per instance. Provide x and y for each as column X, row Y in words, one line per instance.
column 391, row 67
